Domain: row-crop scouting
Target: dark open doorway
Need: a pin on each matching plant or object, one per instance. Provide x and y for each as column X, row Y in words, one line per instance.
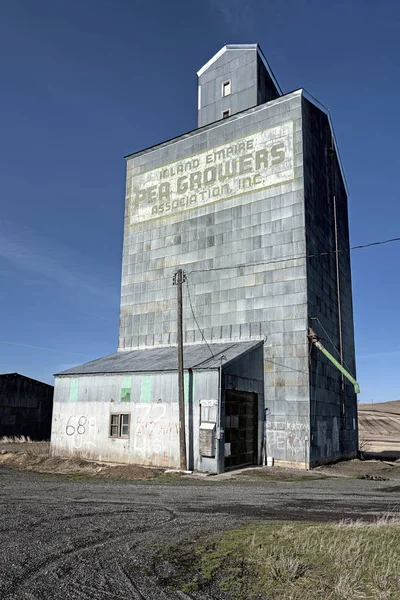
column 241, row 425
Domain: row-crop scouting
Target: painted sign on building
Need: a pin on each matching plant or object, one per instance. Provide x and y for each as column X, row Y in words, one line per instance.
column 252, row 163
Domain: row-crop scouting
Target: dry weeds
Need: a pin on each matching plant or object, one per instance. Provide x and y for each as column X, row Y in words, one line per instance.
column 350, row 560
column 36, row 457
column 15, row 439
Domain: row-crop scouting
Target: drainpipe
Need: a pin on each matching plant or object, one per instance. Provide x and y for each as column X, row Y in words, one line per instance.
column 220, row 430
column 314, row 339
column 264, row 443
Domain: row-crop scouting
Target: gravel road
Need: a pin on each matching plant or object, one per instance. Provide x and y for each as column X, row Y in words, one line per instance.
column 88, row 540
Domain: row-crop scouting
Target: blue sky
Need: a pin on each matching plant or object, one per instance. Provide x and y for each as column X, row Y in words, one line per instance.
column 84, row 83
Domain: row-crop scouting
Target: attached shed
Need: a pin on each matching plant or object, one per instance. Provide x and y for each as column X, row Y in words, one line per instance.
column 25, row 407
column 124, row 407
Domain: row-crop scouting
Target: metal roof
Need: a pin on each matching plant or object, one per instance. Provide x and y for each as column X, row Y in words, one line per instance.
column 228, row 47
column 25, row 377
column 195, row 356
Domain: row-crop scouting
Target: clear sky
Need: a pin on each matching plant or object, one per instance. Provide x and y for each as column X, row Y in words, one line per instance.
column 85, row 82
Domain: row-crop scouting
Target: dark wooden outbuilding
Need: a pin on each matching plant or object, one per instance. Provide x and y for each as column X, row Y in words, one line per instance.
column 26, row 407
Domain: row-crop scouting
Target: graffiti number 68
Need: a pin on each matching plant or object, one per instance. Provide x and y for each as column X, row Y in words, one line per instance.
column 80, row 428
column 70, row 429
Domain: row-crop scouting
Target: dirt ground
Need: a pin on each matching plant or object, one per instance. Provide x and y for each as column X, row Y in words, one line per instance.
column 34, row 456
column 81, row 530
column 94, row 539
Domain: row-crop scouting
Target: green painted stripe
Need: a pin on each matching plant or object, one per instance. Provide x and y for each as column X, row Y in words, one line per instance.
column 186, row 386
column 73, row 389
column 126, row 389
column 146, row 388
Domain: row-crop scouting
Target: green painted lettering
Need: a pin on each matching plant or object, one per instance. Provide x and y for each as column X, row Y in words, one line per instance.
column 245, row 163
column 209, row 175
column 278, row 153
column 182, row 184
column 195, row 180
column 141, row 195
column 152, row 193
column 219, row 155
column 261, row 159
column 164, row 191
column 227, row 169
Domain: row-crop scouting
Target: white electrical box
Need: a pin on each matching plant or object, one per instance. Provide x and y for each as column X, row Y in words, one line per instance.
column 207, row 439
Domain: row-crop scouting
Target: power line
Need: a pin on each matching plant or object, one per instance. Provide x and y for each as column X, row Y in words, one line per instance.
column 397, row 239
column 284, row 259
column 195, row 320
column 285, row 366
column 42, row 348
column 293, row 257
column 208, row 346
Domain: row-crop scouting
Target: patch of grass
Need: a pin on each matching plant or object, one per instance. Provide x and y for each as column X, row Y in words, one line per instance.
column 350, row 560
column 280, row 475
column 79, row 477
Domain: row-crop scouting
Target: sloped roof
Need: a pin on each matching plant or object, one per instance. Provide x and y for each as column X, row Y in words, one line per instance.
column 243, row 47
column 195, row 356
column 25, row 377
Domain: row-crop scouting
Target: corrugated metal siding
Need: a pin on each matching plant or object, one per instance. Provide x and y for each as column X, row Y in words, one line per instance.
column 329, row 436
column 81, row 425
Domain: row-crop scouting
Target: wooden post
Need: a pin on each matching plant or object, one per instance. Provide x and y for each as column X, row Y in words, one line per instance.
column 178, row 280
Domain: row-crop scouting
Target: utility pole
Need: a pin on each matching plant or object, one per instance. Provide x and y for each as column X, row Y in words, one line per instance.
column 178, row 279
column 220, row 429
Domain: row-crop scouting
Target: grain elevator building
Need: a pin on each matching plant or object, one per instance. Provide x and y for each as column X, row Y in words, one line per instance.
column 253, row 206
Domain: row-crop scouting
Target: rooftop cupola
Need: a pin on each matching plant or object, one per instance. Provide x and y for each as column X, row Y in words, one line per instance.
column 234, row 79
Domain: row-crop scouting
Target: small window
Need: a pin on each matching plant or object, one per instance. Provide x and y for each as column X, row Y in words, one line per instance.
column 226, row 88
column 226, row 113
column 114, row 429
column 124, row 428
column 119, row 425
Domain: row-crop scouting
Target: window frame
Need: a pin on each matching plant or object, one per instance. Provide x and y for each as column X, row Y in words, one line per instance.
column 111, row 425
column 224, row 115
column 223, row 85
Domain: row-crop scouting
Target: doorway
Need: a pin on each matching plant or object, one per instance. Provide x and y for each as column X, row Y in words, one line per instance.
column 241, row 425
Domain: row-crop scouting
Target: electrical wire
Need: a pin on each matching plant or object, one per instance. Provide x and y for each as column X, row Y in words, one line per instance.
column 43, row 348
column 208, row 346
column 294, row 257
column 195, row 320
column 396, row 239
column 285, row 366
column 284, row 259
column 256, row 264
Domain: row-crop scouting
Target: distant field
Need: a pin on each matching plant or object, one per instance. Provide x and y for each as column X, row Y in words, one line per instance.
column 379, row 427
